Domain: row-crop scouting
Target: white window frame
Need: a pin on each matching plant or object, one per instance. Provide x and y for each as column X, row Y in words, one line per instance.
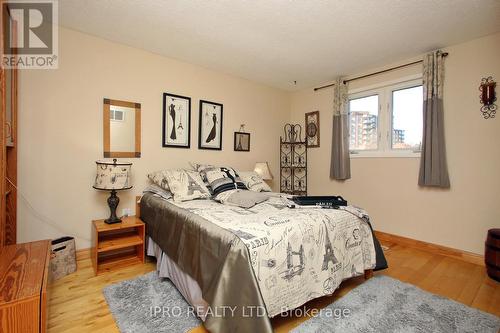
column 384, row 91
column 112, row 115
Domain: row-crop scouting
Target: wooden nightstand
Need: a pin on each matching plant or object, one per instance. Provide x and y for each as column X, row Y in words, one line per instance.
column 117, row 245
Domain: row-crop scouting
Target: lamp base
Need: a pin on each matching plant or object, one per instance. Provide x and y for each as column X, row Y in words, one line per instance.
column 113, row 202
column 110, row 221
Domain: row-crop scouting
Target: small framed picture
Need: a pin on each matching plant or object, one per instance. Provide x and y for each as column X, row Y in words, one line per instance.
column 176, row 121
column 210, row 126
column 312, row 129
column 241, row 141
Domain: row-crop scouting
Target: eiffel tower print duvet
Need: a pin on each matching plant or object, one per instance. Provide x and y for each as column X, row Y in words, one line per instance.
column 296, row 254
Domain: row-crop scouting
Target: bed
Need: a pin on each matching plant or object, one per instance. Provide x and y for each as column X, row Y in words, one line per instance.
column 239, row 267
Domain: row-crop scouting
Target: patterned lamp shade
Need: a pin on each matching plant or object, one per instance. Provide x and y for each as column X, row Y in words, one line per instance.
column 113, row 175
column 262, row 169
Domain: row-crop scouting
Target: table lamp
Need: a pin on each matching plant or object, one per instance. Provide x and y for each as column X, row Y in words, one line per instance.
column 262, row 169
column 113, row 176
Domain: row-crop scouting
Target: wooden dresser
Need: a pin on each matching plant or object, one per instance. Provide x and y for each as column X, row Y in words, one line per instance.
column 24, row 270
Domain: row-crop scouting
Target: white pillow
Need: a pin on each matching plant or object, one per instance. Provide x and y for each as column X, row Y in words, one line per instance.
column 160, row 179
column 187, row 185
column 158, row 191
column 253, row 181
column 222, row 179
column 241, row 198
column 200, row 166
column 184, row 184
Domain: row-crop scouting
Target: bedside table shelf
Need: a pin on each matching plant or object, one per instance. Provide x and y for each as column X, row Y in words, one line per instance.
column 115, row 261
column 117, row 245
column 118, row 241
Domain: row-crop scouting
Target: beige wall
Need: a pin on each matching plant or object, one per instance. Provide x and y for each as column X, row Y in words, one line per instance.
column 61, row 136
column 61, row 128
column 387, row 187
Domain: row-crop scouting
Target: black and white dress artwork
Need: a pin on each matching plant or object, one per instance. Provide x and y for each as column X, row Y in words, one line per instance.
column 176, row 121
column 210, row 126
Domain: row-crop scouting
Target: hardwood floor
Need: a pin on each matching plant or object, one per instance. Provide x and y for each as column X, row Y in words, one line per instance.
column 77, row 303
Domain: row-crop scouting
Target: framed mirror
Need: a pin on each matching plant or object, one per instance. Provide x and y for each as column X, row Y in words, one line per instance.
column 122, row 129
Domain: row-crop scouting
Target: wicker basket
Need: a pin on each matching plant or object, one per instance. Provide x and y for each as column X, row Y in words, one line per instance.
column 63, row 258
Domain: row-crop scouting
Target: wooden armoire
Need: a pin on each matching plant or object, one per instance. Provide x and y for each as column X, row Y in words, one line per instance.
column 8, row 146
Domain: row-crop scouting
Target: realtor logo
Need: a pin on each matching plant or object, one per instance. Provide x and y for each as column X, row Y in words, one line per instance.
column 30, row 34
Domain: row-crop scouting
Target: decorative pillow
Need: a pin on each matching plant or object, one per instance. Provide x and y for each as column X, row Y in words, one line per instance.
column 222, row 179
column 160, row 179
column 186, row 185
column 158, row 191
column 241, row 198
column 254, row 182
column 200, row 166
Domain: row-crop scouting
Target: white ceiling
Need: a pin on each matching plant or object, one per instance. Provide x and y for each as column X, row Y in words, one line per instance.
column 278, row 41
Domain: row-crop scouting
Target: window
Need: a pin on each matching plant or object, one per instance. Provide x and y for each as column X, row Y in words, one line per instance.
column 386, row 121
column 116, row 115
column 407, row 118
column 363, row 123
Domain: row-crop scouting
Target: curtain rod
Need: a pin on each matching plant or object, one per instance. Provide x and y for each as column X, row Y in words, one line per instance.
column 376, row 73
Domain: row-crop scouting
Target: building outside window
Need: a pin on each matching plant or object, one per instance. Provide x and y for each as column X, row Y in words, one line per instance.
column 387, row 121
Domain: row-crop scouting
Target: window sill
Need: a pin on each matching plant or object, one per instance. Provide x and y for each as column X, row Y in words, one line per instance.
column 385, row 154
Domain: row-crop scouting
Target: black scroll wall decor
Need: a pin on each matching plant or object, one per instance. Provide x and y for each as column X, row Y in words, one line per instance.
column 488, row 97
column 293, row 161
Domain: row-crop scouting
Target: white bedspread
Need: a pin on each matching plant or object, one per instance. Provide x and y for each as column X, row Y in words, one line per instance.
column 297, row 254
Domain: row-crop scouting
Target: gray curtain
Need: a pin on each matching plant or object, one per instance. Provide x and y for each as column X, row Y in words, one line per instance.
column 433, row 167
column 340, row 166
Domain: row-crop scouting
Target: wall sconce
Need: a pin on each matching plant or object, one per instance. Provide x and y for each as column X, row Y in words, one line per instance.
column 488, row 97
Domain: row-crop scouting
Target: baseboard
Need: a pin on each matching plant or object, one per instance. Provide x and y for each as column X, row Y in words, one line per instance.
column 82, row 254
column 469, row 257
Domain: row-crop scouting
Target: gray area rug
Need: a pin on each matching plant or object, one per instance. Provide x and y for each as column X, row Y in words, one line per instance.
column 383, row 304
column 149, row 304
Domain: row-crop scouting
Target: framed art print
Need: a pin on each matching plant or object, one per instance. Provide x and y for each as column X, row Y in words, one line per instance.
column 312, row 129
column 176, row 121
column 210, row 126
column 241, row 141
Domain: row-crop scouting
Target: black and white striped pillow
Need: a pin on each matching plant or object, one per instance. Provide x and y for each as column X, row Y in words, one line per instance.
column 221, row 179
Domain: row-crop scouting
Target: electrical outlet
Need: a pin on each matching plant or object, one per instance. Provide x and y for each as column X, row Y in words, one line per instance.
column 126, row 212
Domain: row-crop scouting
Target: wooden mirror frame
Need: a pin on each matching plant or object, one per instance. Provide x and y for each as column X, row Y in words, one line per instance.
column 107, row 131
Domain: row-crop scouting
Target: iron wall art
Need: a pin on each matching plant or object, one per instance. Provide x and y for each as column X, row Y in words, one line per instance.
column 293, row 161
column 312, row 129
column 293, row 133
column 488, row 97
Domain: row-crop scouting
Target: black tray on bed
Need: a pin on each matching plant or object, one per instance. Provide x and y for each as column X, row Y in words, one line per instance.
column 323, row 201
